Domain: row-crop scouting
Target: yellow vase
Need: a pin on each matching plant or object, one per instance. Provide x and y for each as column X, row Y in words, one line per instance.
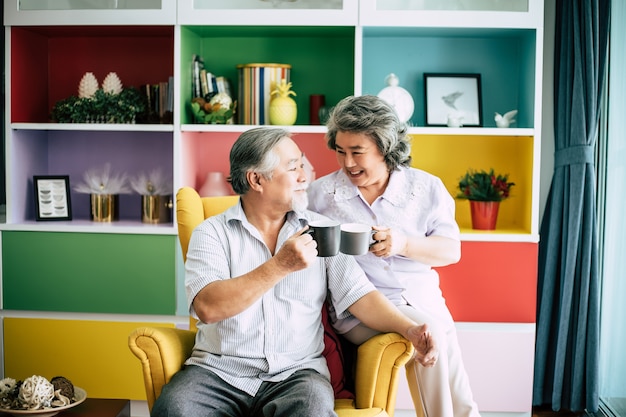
column 283, row 111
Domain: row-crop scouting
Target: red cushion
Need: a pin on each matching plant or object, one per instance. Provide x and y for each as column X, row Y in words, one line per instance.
column 334, row 358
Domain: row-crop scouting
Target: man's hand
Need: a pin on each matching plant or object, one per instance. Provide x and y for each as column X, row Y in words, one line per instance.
column 425, row 345
column 298, row 252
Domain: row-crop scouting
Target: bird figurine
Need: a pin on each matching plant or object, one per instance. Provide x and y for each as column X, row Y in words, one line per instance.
column 506, row 120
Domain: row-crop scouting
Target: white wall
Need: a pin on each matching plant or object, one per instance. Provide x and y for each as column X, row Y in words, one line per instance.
column 547, row 127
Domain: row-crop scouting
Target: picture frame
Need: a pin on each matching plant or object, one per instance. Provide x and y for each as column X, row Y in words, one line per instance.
column 452, row 100
column 52, row 197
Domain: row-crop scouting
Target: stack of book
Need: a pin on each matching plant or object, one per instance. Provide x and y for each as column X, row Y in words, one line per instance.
column 160, row 101
column 205, row 83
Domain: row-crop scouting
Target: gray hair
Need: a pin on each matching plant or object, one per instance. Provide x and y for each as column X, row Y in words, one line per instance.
column 254, row 151
column 377, row 119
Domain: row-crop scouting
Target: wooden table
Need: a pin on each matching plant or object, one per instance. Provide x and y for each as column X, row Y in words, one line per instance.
column 99, row 407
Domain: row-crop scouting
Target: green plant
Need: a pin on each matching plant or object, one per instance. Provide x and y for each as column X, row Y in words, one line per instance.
column 125, row 107
column 484, row 186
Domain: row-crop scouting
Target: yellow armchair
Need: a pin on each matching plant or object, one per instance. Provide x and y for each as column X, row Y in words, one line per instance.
column 162, row 351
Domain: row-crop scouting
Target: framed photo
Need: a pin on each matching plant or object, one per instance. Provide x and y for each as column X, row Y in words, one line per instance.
column 52, row 197
column 452, row 100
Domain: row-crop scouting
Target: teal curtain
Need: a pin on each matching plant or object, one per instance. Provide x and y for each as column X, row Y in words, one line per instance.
column 568, row 296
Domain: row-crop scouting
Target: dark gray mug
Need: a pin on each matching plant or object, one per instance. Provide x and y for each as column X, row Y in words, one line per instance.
column 356, row 238
column 327, row 234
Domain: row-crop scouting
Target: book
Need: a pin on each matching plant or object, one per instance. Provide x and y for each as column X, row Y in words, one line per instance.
column 197, row 66
column 163, row 90
column 211, row 85
column 204, row 86
column 170, row 94
column 223, row 85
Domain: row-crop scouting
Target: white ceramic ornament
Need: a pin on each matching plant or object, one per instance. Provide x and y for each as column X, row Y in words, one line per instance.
column 87, row 86
column 112, row 84
column 398, row 97
column 506, row 119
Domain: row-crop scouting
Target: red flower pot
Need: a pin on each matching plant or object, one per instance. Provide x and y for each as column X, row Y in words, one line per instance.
column 484, row 214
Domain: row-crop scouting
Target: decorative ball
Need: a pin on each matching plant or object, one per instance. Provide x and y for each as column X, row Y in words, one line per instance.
column 9, row 391
column 222, row 99
column 88, row 85
column 64, row 385
column 36, row 392
column 6, row 385
column 112, row 84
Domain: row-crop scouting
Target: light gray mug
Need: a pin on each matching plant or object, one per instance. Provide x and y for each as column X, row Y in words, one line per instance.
column 356, row 238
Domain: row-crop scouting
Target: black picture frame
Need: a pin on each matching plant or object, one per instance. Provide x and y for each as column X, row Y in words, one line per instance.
column 455, row 96
column 52, row 197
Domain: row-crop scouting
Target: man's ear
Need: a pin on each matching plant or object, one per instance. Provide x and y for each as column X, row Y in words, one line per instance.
column 254, row 179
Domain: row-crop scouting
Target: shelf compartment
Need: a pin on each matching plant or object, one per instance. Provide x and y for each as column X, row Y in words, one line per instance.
column 59, row 152
column 449, row 157
column 93, row 353
column 471, row 14
column 468, row 5
column 38, row 55
column 504, row 59
column 204, row 152
column 321, row 59
column 36, row 12
column 251, row 12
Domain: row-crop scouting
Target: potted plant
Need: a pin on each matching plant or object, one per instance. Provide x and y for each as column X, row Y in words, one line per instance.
column 485, row 190
column 155, row 189
column 110, row 103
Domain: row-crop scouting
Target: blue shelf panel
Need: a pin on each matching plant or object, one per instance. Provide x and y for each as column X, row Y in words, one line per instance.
column 505, row 59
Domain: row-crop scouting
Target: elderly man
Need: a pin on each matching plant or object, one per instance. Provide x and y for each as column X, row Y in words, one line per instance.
column 257, row 286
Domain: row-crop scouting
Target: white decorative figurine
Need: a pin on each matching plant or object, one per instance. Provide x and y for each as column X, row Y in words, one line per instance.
column 455, row 120
column 112, row 84
column 398, row 97
column 506, row 120
column 88, row 85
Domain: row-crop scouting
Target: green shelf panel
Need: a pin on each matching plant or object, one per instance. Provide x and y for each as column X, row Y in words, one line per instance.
column 88, row 272
column 321, row 59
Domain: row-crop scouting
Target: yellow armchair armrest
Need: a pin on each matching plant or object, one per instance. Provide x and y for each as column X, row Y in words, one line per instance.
column 377, row 370
column 162, row 352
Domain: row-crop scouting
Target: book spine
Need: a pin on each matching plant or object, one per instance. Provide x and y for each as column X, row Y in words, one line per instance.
column 203, row 83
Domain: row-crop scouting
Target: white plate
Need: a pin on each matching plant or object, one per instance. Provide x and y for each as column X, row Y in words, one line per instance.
column 79, row 393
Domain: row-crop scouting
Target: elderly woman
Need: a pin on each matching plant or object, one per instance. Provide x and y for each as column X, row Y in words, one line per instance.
column 412, row 214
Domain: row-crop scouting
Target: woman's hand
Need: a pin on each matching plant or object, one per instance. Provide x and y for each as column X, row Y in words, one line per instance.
column 388, row 242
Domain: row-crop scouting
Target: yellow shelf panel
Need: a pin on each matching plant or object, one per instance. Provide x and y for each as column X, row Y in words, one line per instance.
column 94, row 355
column 450, row 156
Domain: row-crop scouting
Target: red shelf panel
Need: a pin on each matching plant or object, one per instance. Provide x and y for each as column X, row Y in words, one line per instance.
column 493, row 282
column 140, row 55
